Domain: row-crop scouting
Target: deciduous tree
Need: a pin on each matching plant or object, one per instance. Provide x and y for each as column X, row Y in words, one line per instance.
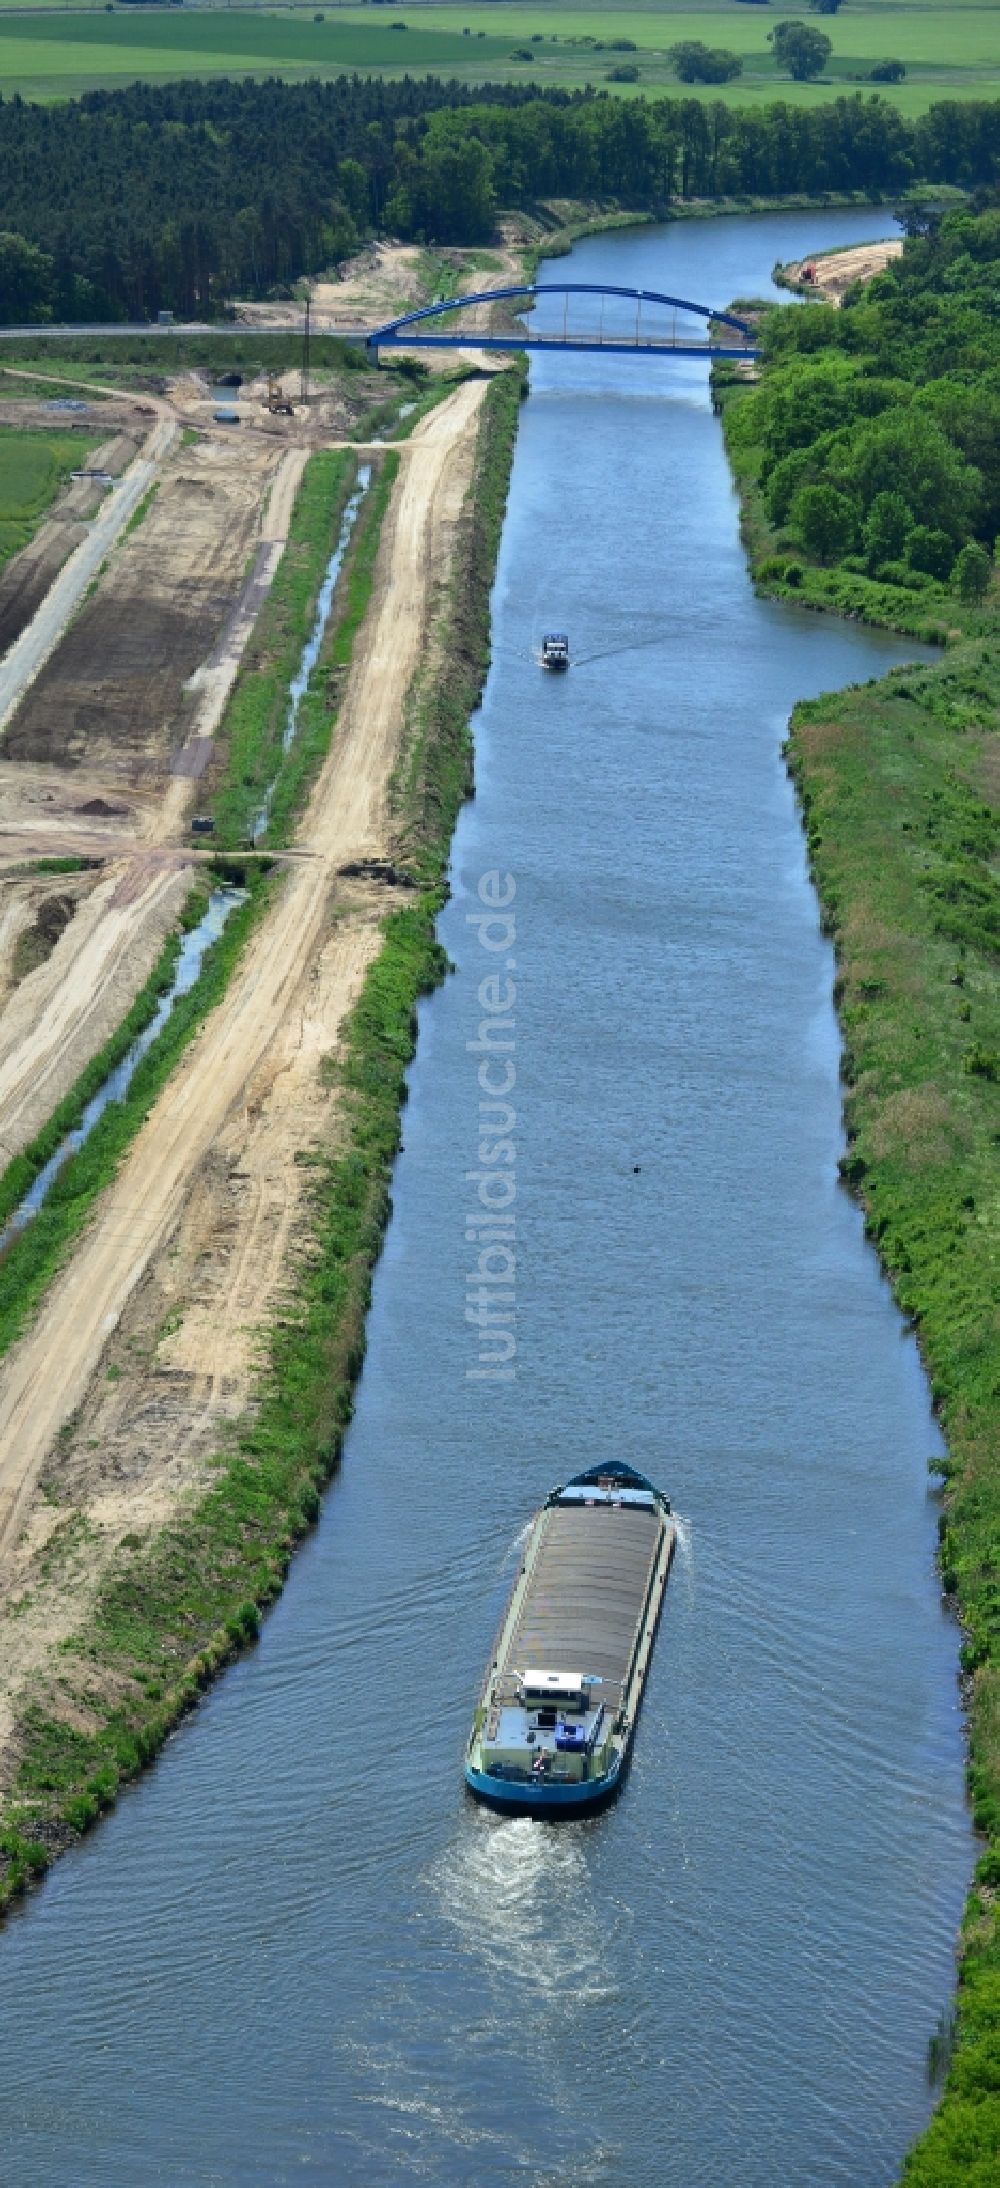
column 826, row 522
column 801, row 49
column 971, row 574
column 886, row 527
column 696, row 63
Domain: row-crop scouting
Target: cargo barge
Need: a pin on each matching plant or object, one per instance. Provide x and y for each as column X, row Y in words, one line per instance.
column 554, row 1726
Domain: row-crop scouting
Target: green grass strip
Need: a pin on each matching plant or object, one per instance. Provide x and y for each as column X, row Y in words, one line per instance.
column 435, row 773
column 384, row 421
column 255, row 716
column 895, row 784
column 68, row 865
column 320, row 701
column 141, row 510
column 245, row 352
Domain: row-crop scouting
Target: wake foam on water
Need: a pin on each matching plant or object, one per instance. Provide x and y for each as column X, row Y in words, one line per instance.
column 514, row 1548
column 519, row 1895
column 685, row 1540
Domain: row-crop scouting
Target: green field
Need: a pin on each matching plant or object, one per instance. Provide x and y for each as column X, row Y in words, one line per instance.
column 33, row 467
column 949, row 51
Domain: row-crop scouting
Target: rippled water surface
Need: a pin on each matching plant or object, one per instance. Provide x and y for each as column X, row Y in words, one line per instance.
column 297, row 1953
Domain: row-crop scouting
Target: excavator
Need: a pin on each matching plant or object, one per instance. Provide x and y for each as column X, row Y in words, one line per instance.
column 277, row 402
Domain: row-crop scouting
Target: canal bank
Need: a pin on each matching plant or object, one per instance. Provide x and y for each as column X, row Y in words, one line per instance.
column 130, row 1599
column 898, row 788
column 344, row 1969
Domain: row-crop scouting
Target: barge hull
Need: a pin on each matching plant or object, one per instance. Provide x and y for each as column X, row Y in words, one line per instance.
column 551, row 1801
column 588, row 1596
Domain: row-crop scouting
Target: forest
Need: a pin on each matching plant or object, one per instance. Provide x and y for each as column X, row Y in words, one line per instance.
column 875, row 436
column 119, row 204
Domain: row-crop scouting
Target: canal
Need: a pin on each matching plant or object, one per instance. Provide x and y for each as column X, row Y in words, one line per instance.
column 296, row 1952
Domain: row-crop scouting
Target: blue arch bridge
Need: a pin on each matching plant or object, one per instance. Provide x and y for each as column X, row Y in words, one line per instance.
column 640, row 321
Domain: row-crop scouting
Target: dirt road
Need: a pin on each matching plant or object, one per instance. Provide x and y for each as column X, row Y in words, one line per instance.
column 46, row 1377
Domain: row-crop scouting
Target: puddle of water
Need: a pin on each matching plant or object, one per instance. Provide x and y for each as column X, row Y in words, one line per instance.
column 310, row 652
column 115, row 1087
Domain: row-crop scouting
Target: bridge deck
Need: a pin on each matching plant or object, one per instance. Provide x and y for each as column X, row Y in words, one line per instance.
column 476, row 338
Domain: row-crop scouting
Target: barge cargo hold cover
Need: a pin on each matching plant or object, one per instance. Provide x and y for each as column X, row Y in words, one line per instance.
column 555, row 1721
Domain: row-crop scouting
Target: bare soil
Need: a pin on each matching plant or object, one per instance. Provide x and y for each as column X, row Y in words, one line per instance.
column 112, row 696
column 839, row 270
column 100, row 759
column 377, row 283
column 389, row 278
column 149, row 1343
column 60, row 1013
column 24, row 899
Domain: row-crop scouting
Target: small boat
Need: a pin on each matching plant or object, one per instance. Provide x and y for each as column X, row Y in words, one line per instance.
column 553, row 1730
column 555, row 650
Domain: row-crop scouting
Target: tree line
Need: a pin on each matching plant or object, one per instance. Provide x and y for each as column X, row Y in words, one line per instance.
column 120, row 204
column 878, row 425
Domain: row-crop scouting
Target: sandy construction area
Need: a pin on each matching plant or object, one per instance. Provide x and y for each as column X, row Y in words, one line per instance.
column 380, row 281
column 103, row 755
column 188, row 1251
column 65, row 1009
column 839, row 270
column 112, row 696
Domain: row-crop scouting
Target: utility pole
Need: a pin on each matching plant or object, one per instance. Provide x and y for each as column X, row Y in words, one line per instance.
column 305, row 352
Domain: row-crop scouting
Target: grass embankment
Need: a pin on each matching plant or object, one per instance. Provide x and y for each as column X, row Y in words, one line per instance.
column 33, row 469
column 435, row 773
column 176, row 1609
column 424, row 393
column 242, row 349
column 258, row 709
column 899, row 785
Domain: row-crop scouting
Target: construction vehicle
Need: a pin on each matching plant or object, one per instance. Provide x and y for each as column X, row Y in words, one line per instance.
column 277, row 401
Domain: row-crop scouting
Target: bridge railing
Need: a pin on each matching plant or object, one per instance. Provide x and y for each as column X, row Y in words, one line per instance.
column 721, row 333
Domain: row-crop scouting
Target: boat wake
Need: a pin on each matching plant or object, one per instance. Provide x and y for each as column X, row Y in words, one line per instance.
column 515, row 1547
column 685, row 1542
column 519, row 1895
